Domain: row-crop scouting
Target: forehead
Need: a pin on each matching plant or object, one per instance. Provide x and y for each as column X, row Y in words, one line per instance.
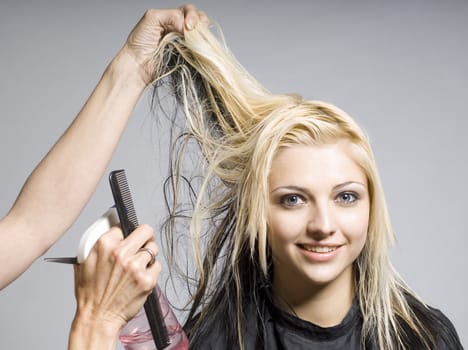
column 312, row 165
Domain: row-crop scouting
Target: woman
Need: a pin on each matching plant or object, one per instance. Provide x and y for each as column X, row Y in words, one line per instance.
column 290, row 231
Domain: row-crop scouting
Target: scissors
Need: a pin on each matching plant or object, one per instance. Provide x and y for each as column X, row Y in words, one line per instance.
column 63, row 260
column 89, row 238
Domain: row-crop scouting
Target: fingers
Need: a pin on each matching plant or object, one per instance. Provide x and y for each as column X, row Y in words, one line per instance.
column 142, row 267
column 146, row 268
column 146, row 256
column 191, row 16
column 203, row 18
column 113, row 251
column 149, row 253
column 185, row 17
column 138, row 238
column 146, row 36
column 101, row 254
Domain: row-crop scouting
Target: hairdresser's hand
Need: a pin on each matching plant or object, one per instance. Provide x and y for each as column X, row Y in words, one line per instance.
column 112, row 284
column 145, row 37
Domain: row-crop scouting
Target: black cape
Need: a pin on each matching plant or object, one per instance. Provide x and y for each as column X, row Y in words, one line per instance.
column 274, row 329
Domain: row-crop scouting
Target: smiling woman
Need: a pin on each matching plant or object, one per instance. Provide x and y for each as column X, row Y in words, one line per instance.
column 290, row 229
column 317, row 227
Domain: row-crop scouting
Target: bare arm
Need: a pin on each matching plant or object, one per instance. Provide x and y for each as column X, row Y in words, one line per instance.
column 62, row 183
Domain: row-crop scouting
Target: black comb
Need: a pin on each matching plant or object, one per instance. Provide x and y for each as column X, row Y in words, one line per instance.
column 129, row 222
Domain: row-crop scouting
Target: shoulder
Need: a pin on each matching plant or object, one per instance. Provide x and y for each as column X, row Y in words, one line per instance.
column 445, row 332
column 219, row 332
column 437, row 325
column 211, row 332
column 202, row 335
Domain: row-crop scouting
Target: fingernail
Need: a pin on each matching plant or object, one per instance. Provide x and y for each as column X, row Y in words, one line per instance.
column 189, row 25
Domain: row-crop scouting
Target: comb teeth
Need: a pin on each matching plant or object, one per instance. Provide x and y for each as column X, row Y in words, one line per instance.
column 123, row 201
column 127, row 197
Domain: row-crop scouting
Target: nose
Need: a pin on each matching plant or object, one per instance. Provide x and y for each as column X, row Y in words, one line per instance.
column 321, row 222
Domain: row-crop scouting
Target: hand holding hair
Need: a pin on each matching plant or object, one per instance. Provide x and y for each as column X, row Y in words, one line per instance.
column 111, row 286
column 144, row 39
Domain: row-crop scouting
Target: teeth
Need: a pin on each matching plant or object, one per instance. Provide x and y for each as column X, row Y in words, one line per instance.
column 316, row 249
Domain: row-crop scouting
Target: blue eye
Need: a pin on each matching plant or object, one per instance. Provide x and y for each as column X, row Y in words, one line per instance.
column 291, row 200
column 347, row 197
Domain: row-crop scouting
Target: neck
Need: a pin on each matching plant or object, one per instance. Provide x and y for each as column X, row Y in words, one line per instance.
column 325, row 305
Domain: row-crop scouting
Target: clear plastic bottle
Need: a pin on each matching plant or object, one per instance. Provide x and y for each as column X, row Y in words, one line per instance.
column 136, row 335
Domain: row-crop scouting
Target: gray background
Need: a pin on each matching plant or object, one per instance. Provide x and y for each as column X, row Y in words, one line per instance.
column 398, row 67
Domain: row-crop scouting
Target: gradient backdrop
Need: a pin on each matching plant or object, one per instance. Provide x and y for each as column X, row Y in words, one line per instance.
column 398, row 67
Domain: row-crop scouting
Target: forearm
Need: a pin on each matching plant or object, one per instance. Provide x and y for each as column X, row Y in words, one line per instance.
column 88, row 335
column 62, row 183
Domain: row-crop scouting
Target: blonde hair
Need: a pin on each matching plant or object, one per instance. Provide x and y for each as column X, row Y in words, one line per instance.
column 239, row 126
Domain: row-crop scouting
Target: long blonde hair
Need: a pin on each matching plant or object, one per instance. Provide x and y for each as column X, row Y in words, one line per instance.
column 238, row 126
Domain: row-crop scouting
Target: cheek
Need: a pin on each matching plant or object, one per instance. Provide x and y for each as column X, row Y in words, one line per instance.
column 284, row 226
column 355, row 225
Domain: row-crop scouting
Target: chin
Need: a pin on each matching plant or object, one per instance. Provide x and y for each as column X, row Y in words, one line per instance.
column 324, row 276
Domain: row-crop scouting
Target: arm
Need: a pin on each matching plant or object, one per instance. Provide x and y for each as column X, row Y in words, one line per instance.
column 62, row 183
column 46, row 207
column 111, row 286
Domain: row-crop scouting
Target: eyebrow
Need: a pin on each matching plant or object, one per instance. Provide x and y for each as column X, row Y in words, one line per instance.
column 304, row 189
column 348, row 183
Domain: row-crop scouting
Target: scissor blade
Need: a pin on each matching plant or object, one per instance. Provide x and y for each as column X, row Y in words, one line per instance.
column 63, row 260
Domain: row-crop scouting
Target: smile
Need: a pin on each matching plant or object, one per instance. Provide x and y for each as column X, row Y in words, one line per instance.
column 319, row 253
column 319, row 249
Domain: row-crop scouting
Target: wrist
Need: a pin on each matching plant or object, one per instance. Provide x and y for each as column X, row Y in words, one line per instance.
column 125, row 69
column 92, row 334
column 96, row 326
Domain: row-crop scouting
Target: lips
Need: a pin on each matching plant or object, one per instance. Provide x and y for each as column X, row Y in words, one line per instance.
column 320, row 253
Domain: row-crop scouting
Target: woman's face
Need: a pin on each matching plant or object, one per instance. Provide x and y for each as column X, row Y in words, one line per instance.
column 318, row 215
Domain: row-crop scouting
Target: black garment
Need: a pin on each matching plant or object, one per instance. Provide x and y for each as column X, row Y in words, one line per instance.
column 281, row 330
column 284, row 331
column 275, row 329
